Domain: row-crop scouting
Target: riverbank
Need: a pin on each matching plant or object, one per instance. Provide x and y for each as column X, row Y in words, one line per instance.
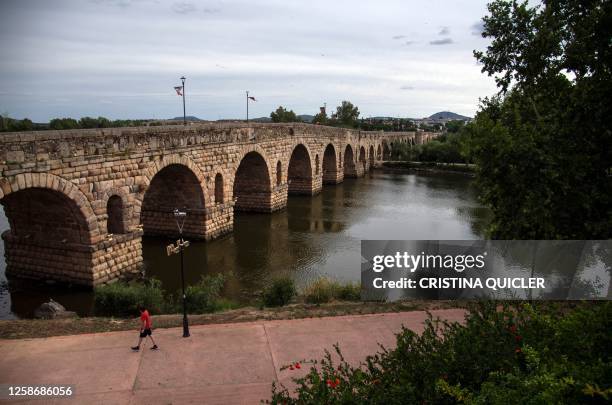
column 37, row 328
column 464, row 168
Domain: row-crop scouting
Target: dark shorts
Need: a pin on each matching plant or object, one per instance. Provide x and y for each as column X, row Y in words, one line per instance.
column 145, row 333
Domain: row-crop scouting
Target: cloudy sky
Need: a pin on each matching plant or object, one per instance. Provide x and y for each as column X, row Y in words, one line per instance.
column 121, row 58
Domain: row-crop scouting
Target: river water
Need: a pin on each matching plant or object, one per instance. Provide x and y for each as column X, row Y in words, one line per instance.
column 315, row 236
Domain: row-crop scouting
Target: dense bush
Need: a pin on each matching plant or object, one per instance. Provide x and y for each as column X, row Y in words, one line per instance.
column 519, row 354
column 123, row 298
column 204, row 296
column 280, row 292
column 319, row 292
column 447, row 148
column 324, row 290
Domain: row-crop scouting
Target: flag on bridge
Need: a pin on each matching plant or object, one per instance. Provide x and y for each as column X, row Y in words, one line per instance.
column 179, row 90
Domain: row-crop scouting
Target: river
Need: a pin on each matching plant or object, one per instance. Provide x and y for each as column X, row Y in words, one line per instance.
column 315, row 236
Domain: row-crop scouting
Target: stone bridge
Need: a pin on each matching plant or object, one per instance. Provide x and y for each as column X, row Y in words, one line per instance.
column 79, row 201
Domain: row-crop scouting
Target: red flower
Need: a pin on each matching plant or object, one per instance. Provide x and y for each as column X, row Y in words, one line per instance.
column 291, row 367
column 513, row 328
column 518, row 338
column 328, row 382
column 337, row 382
column 298, row 366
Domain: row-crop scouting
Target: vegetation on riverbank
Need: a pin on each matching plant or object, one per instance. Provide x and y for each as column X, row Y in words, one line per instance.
column 520, row 353
column 122, row 298
column 466, row 168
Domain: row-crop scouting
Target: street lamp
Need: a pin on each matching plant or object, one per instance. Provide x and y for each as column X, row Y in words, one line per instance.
column 184, row 115
column 171, row 249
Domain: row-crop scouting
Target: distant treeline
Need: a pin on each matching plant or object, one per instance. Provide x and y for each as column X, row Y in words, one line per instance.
column 10, row 124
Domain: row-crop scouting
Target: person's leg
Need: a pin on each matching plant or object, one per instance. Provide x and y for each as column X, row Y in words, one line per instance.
column 153, row 340
column 139, row 342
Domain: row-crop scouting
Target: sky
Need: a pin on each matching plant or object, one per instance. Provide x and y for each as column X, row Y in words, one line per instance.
column 121, row 58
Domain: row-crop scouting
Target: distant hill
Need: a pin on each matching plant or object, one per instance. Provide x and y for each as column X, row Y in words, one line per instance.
column 189, row 118
column 306, row 117
column 261, row 119
column 447, row 115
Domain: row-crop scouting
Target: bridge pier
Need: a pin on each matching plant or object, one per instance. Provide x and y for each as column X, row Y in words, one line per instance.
column 72, row 263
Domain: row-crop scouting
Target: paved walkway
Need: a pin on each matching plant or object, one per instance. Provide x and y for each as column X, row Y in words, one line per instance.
column 225, row 364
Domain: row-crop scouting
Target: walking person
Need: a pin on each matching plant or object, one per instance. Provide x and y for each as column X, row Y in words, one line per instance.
column 145, row 329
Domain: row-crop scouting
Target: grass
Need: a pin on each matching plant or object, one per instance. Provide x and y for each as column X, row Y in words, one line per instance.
column 38, row 328
column 324, row 290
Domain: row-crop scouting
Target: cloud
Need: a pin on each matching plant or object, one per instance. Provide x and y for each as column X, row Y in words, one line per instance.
column 211, row 10
column 444, row 41
column 184, row 7
column 407, row 88
column 399, row 36
column 408, row 43
column 477, row 28
column 444, row 30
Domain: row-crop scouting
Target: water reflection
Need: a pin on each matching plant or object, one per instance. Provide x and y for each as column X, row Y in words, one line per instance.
column 314, row 236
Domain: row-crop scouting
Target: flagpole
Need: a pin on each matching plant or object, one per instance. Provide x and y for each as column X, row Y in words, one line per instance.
column 247, row 100
column 184, row 115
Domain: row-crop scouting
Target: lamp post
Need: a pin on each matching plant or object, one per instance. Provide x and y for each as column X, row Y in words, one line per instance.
column 184, row 115
column 247, row 101
column 171, row 249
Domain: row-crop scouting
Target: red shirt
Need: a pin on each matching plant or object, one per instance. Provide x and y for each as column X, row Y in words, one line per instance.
column 146, row 318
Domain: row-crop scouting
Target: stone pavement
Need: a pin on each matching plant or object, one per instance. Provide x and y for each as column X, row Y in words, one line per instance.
column 218, row 364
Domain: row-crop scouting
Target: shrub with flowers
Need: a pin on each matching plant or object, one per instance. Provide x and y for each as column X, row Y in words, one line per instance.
column 520, row 353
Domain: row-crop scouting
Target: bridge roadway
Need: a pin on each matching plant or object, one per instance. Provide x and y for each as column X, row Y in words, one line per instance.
column 79, row 201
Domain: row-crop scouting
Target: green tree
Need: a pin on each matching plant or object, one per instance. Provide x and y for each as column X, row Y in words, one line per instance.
column 320, row 118
column 64, row 123
column 346, row 114
column 543, row 145
column 283, row 115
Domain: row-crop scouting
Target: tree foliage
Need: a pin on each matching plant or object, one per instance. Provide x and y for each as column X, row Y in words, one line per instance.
column 543, row 145
column 283, row 115
column 346, row 114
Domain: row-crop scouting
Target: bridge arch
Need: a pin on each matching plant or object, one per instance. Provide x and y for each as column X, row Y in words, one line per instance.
column 363, row 159
column 36, row 204
column 252, row 187
column 349, row 162
column 378, row 153
column 53, row 228
column 386, row 151
column 299, row 171
column 174, row 185
column 219, row 189
column 371, row 156
column 330, row 172
column 118, row 210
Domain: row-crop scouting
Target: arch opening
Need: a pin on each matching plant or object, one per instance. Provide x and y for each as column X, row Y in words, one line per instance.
column 219, row 189
column 330, row 173
column 386, row 151
column 299, row 173
column 115, row 222
column 349, row 162
column 379, row 153
column 174, row 187
column 49, row 237
column 362, row 158
column 371, row 155
column 279, row 173
column 252, row 191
